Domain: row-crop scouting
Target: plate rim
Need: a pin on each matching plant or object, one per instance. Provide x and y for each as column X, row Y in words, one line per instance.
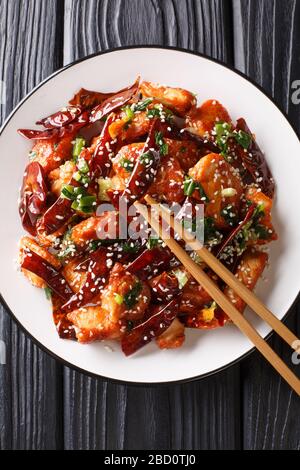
column 17, row 321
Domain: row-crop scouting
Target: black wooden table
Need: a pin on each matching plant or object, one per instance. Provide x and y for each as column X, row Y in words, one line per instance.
column 44, row 405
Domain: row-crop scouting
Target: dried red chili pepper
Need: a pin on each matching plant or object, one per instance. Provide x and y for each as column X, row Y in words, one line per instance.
column 55, row 217
column 154, row 326
column 64, row 327
column 61, row 118
column 114, row 102
column 73, row 127
column 146, row 165
column 173, row 131
column 88, row 98
column 236, row 230
column 96, row 278
column 100, row 163
column 150, row 262
column 255, row 162
column 39, row 266
column 33, row 196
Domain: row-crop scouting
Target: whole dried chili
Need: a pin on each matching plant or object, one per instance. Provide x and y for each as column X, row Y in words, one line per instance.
column 68, row 128
column 255, row 162
column 114, row 102
column 154, row 326
column 54, row 279
column 236, row 230
column 61, row 118
column 146, row 165
column 33, row 196
column 153, row 260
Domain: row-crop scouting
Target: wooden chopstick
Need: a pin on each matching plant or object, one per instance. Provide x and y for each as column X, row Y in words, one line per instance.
column 248, row 296
column 214, row 291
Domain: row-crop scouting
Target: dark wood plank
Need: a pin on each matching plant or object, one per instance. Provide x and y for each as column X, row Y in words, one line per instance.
column 194, row 416
column 30, row 402
column 267, row 38
column 96, row 25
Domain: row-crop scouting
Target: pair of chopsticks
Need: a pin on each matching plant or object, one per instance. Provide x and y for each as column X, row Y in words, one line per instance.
column 208, row 284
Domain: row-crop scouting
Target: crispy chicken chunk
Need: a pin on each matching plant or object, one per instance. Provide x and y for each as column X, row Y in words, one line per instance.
column 100, row 227
column 168, row 183
column 51, row 153
column 173, row 337
column 125, row 294
column 124, row 298
column 222, row 185
column 95, row 323
column 202, row 120
column 177, row 99
column 249, row 270
column 61, row 176
column 259, row 198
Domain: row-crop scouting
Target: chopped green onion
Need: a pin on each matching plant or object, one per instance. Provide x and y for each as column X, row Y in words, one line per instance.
column 77, row 176
column 119, row 298
column 83, row 166
column 78, row 146
column 79, row 191
column 222, row 129
column 181, row 277
column 127, row 164
column 131, row 297
column 189, row 187
column 129, row 113
column 146, row 159
column 152, row 242
column 131, row 247
column 86, row 209
column 142, row 105
column 75, row 205
column 94, row 244
column 163, row 147
column 262, row 232
column 153, row 112
column 67, row 192
column 259, row 212
column 202, row 193
column 87, row 200
column 224, row 132
column 86, row 204
column 48, row 293
column 242, row 138
column 85, row 179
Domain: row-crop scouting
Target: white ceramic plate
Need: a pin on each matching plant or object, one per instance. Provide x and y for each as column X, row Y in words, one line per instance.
column 204, row 352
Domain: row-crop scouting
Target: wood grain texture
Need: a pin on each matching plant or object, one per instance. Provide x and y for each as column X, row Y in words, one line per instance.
column 193, row 416
column 30, row 404
column 96, row 25
column 266, row 47
column 267, row 38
